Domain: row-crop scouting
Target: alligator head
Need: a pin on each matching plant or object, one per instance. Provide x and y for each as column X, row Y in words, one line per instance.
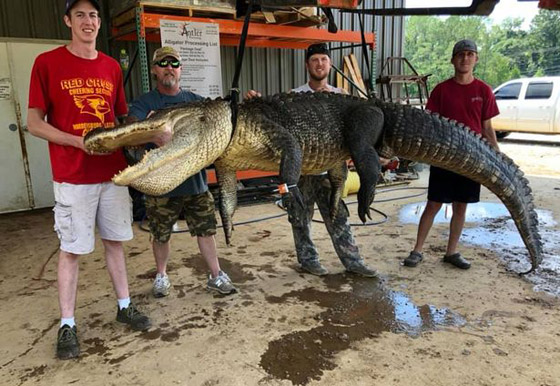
column 201, row 132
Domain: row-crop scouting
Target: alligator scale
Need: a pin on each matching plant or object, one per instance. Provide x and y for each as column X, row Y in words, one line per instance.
column 309, row 134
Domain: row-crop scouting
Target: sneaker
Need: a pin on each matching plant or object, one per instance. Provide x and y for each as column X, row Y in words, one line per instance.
column 161, row 285
column 131, row 316
column 413, row 259
column 67, row 345
column 221, row 283
column 314, row 267
column 359, row 268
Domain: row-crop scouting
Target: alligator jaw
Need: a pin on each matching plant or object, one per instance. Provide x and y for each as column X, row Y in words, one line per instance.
column 161, row 169
column 133, row 134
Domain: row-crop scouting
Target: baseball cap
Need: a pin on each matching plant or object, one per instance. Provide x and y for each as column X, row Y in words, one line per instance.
column 164, row 52
column 71, row 3
column 319, row 48
column 464, row 45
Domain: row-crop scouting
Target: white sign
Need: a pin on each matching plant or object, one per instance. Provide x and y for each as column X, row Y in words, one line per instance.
column 199, row 47
column 5, row 88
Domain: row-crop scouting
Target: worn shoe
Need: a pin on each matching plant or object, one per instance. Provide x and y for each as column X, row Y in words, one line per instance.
column 161, row 285
column 413, row 259
column 314, row 267
column 457, row 260
column 359, row 268
column 134, row 318
column 67, row 345
column 221, row 283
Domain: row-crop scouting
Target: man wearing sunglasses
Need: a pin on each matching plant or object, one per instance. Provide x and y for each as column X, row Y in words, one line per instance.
column 77, row 88
column 192, row 195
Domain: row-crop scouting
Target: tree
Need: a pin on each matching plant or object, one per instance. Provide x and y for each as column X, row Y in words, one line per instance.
column 506, row 51
column 545, row 40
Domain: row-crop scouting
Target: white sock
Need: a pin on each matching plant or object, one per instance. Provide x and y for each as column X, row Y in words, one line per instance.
column 123, row 303
column 69, row 321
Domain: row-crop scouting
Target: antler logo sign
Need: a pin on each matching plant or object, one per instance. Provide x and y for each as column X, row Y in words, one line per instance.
column 95, row 105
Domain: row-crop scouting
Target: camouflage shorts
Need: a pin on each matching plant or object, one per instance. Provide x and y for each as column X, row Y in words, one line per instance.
column 163, row 212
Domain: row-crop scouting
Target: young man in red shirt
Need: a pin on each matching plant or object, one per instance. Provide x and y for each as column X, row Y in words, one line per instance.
column 470, row 101
column 78, row 88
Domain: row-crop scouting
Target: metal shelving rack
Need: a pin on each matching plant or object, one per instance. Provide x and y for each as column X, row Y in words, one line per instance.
column 259, row 35
column 397, row 71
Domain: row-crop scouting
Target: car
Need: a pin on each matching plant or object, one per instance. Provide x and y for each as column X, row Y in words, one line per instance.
column 528, row 105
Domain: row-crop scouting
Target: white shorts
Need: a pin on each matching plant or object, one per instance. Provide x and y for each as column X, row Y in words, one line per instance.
column 78, row 208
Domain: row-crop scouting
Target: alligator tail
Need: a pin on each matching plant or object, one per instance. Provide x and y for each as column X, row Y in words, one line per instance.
column 426, row 137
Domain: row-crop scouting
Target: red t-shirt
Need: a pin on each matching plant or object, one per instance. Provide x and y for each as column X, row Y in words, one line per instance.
column 78, row 95
column 470, row 104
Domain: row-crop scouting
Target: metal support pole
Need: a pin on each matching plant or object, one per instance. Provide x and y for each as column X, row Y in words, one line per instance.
column 142, row 51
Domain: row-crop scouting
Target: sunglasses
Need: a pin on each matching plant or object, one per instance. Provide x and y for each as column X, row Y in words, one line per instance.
column 164, row 63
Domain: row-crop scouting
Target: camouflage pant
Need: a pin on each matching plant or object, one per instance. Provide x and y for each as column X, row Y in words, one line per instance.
column 163, row 212
column 318, row 189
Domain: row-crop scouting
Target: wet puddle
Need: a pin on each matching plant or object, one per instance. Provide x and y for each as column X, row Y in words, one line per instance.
column 489, row 225
column 364, row 310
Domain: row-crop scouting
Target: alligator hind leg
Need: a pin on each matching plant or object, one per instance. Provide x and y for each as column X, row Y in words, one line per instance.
column 337, row 177
column 360, row 136
column 281, row 142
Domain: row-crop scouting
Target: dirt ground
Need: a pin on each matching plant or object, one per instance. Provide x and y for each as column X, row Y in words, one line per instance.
column 432, row 325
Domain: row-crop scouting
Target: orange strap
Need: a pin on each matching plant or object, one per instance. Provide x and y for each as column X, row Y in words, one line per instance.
column 284, row 188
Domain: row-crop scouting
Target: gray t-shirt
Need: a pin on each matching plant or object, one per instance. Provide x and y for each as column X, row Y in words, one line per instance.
column 306, row 88
column 154, row 100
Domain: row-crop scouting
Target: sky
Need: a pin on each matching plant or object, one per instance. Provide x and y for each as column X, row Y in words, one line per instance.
column 504, row 9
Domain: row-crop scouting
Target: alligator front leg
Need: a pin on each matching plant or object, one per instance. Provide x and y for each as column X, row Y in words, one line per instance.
column 227, row 183
column 286, row 147
column 337, row 177
column 361, row 135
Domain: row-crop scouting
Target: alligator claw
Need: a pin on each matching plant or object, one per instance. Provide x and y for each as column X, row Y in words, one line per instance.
column 228, row 236
column 228, row 230
column 363, row 205
column 333, row 212
column 364, row 214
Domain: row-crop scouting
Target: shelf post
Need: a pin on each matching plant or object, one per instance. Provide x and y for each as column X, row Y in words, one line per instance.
column 142, row 50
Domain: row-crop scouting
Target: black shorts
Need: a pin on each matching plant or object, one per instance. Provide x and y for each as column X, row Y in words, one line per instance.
column 447, row 187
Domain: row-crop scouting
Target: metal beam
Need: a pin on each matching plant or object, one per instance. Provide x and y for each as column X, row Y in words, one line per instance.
column 478, row 7
column 263, row 35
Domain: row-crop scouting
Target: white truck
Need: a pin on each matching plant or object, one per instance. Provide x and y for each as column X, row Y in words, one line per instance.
column 528, row 105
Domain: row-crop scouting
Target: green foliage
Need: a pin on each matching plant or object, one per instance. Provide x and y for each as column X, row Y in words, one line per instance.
column 506, row 51
column 545, row 38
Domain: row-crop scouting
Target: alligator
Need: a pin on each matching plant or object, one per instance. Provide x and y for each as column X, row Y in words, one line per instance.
column 311, row 133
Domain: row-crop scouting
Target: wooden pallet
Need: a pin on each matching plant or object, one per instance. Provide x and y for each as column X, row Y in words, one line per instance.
column 120, row 7
column 301, row 17
column 129, row 15
column 352, row 70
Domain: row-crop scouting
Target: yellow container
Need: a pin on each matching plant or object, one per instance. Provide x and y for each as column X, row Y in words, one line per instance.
column 352, row 184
